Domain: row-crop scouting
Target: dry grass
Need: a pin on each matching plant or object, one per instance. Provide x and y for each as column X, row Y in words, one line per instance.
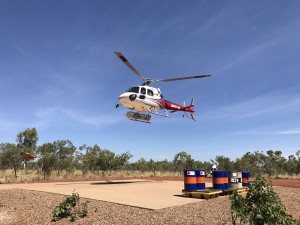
column 286, row 176
column 8, row 176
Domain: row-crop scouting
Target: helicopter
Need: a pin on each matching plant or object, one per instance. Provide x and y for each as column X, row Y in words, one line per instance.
column 145, row 100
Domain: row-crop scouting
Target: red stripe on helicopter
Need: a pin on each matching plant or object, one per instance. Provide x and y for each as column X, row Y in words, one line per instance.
column 174, row 106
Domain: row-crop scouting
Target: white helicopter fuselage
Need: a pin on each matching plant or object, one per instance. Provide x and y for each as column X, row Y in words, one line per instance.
column 141, row 98
column 148, row 99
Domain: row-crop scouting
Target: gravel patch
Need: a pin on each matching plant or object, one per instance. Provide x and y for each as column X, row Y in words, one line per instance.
column 34, row 208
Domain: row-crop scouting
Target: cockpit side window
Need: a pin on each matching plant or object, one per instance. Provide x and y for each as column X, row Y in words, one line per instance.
column 150, row 92
column 133, row 89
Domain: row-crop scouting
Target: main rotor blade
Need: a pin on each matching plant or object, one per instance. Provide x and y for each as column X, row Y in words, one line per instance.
column 124, row 60
column 184, row 78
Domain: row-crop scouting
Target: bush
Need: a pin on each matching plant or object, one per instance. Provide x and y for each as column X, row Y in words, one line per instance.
column 66, row 209
column 260, row 206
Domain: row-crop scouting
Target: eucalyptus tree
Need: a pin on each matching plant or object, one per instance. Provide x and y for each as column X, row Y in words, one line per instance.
column 254, row 162
column 164, row 166
column 291, row 165
column 96, row 159
column 224, row 163
column 298, row 162
column 10, row 157
column 64, row 152
column 182, row 161
column 121, row 160
column 90, row 158
column 141, row 165
column 106, row 161
column 47, row 159
column 206, row 166
column 27, row 140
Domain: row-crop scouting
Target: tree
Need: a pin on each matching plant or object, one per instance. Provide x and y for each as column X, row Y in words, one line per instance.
column 164, row 165
column 260, row 206
column 106, row 161
column 291, row 165
column 298, row 163
column 141, row 165
column 79, row 162
column 10, row 156
column 64, row 153
column 89, row 160
column 122, row 160
column 153, row 166
column 97, row 159
column 182, row 161
column 27, row 140
column 224, row 163
column 253, row 162
column 48, row 159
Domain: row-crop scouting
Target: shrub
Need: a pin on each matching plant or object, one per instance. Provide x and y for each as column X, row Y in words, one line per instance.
column 66, row 209
column 260, row 206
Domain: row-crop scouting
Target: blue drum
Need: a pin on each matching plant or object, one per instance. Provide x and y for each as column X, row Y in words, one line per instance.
column 200, row 178
column 190, row 180
column 225, row 180
column 218, row 179
column 245, row 178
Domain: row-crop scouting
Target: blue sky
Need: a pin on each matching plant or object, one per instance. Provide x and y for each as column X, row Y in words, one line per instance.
column 59, row 74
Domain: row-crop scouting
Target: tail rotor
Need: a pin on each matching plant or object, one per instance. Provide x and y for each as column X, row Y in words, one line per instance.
column 190, row 109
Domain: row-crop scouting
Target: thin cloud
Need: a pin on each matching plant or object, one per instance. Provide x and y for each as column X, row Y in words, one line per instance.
column 272, row 104
column 246, row 54
column 278, row 38
column 295, row 131
column 49, row 115
column 288, row 132
column 8, row 124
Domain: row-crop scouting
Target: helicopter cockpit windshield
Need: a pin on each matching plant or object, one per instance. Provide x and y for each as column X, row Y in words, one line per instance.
column 134, row 89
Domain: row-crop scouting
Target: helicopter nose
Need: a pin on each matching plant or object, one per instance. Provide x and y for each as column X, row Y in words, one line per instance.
column 128, row 100
column 123, row 98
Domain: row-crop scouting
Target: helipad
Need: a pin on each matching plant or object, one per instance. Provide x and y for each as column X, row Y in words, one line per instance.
column 138, row 193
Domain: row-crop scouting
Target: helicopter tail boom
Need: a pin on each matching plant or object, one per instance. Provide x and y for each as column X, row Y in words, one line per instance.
column 174, row 107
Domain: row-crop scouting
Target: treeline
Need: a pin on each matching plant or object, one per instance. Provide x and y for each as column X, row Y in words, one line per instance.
column 62, row 155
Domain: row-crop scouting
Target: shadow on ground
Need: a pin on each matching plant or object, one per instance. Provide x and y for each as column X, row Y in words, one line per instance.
column 120, row 182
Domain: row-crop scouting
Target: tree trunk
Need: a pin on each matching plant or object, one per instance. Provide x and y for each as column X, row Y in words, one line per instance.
column 15, row 170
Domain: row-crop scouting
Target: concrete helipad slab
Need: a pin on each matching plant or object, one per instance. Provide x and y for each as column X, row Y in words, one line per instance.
column 139, row 193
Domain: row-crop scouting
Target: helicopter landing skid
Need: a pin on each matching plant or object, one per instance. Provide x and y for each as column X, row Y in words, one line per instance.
column 158, row 114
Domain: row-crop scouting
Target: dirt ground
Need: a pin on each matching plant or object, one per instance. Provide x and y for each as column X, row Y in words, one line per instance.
column 35, row 207
column 275, row 182
column 285, row 183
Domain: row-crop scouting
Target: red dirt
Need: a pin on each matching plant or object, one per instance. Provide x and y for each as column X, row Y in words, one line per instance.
column 273, row 181
column 285, row 183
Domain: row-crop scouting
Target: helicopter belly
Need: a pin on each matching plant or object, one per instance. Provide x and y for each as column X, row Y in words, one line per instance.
column 141, row 105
